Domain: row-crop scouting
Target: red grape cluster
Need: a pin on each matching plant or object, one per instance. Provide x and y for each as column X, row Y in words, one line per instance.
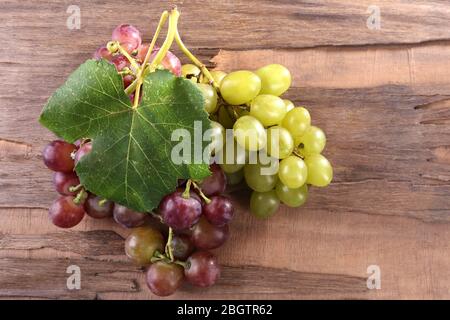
column 130, row 39
column 197, row 215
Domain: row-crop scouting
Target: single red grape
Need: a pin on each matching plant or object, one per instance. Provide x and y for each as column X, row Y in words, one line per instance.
column 219, row 211
column 142, row 243
column 207, row 236
column 63, row 181
column 84, row 149
column 102, row 53
column 127, row 217
column 178, row 212
column 128, row 36
column 182, row 246
column 120, row 61
column 216, row 183
column 202, row 269
column 96, row 208
column 64, row 213
column 163, row 279
column 58, row 156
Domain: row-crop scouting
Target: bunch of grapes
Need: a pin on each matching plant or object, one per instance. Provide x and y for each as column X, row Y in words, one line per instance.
column 249, row 103
column 196, row 214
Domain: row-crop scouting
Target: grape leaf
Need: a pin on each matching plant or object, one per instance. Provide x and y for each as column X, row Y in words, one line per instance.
column 130, row 162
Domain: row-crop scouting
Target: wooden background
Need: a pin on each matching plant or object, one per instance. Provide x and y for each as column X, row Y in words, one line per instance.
column 382, row 96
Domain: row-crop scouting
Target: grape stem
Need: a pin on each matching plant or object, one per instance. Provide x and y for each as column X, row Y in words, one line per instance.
column 102, row 202
column 187, row 190
column 116, row 44
column 75, row 188
column 194, row 59
column 169, row 249
column 156, row 216
column 297, row 153
column 205, row 198
column 81, row 196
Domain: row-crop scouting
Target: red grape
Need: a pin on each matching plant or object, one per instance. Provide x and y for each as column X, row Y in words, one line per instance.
column 84, row 149
column 95, row 210
column 163, row 278
column 63, row 181
column 142, row 243
column 219, row 211
column 57, row 156
column 208, row 236
column 127, row 217
column 216, row 183
column 102, row 52
column 120, row 61
column 128, row 36
column 64, row 213
column 127, row 80
column 202, row 269
column 180, row 213
column 170, row 61
column 182, row 246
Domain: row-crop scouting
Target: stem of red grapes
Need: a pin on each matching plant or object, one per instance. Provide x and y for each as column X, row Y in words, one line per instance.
column 114, row 46
column 75, row 188
column 81, row 196
column 187, row 191
column 200, row 192
column 161, row 23
column 169, row 249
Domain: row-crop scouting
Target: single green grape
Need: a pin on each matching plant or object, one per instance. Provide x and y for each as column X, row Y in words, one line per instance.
column 231, row 158
column 268, row 109
column 225, row 118
column 217, row 137
column 217, row 76
column 320, row 171
column 191, row 72
column 264, row 204
column 275, row 79
column 297, row 121
column 313, row 141
column 249, row 133
column 257, row 179
column 280, row 143
column 235, row 178
column 293, row 172
column 289, row 105
column 210, row 97
column 292, row 197
column 239, row 87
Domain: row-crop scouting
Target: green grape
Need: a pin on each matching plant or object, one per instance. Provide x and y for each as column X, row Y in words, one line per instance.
column 210, row 97
column 225, row 118
column 313, row 141
column 249, row 133
column 320, row 171
column 289, row 105
column 264, row 204
column 257, row 179
column 237, row 161
column 217, row 76
column 275, row 79
column 293, row 172
column 217, row 137
column 235, row 178
column 297, row 121
column 268, row 109
column 191, row 72
column 280, row 143
column 239, row 87
column 292, row 197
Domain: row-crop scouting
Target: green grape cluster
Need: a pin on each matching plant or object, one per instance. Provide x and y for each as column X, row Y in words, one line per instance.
column 250, row 103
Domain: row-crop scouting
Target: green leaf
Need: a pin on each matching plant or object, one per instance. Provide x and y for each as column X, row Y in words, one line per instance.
column 130, row 162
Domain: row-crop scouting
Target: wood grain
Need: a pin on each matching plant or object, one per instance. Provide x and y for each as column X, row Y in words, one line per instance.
column 382, row 97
